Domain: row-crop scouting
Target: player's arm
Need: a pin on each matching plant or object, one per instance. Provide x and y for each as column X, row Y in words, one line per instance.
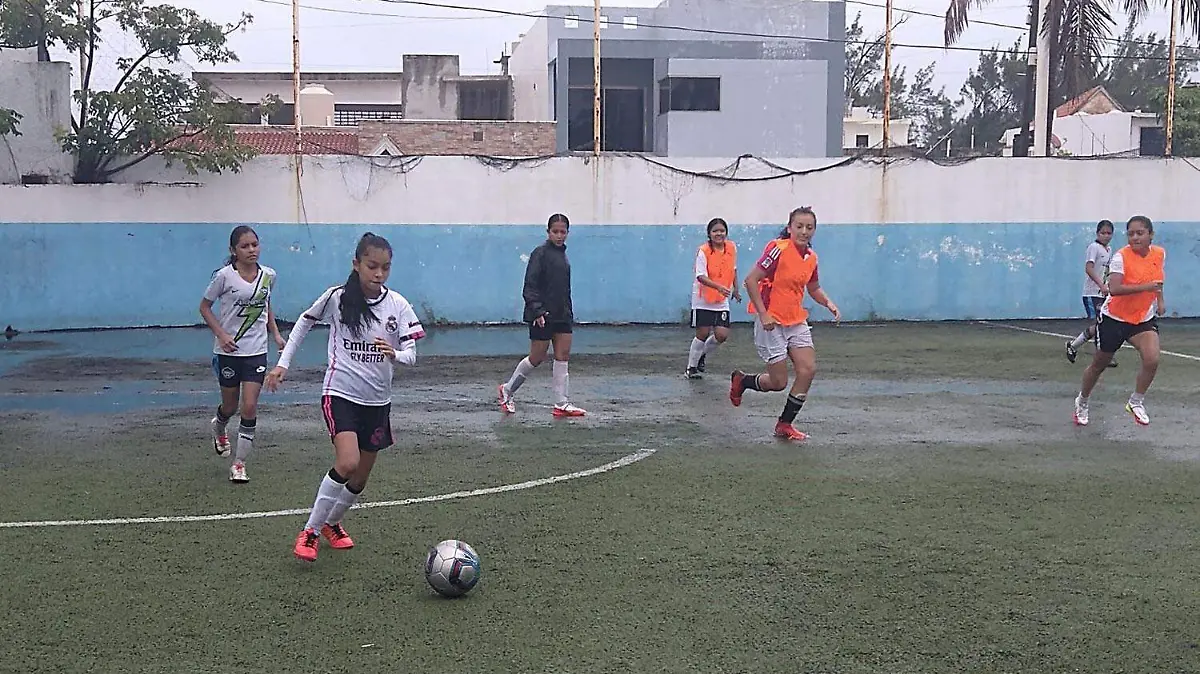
column 532, row 291
column 818, row 294
column 701, row 272
column 1089, row 268
column 214, row 290
column 273, row 327
column 320, row 310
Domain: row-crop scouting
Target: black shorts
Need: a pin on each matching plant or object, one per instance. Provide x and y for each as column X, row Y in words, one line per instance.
column 372, row 423
column 232, row 371
column 707, row 318
column 548, row 331
column 1114, row 333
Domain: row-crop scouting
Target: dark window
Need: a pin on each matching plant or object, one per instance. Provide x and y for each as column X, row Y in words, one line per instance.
column 483, row 101
column 1152, row 141
column 477, row 136
column 862, row 140
column 350, row 114
column 689, row 93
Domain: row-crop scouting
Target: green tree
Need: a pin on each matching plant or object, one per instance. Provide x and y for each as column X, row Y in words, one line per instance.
column 9, row 121
column 1138, row 67
column 1185, row 141
column 149, row 111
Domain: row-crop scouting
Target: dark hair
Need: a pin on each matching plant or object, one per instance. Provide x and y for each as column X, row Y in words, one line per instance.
column 558, row 217
column 1104, row 223
column 1142, row 219
column 356, row 313
column 235, row 236
column 803, row 210
column 711, row 224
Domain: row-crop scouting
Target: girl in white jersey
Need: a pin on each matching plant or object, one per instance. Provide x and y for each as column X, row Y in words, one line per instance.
column 372, row 329
column 1095, row 287
column 242, row 289
column 714, row 281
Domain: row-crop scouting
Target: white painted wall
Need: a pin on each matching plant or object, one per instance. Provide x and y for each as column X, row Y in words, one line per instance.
column 1085, row 135
column 628, row 190
column 41, row 92
column 344, row 91
column 532, row 93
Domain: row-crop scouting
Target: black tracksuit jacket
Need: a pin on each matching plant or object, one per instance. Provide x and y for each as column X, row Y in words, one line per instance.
column 548, row 285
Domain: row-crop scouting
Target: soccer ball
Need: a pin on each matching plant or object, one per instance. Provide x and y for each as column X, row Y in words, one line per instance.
column 452, row 568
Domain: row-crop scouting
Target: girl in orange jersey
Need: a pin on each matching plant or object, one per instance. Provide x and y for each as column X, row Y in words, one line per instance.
column 786, row 270
column 714, row 283
column 1130, row 314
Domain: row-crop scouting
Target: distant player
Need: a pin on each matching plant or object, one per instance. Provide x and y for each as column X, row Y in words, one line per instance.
column 242, row 289
column 776, row 285
column 550, row 315
column 372, row 330
column 1130, row 314
column 714, row 282
column 1095, row 288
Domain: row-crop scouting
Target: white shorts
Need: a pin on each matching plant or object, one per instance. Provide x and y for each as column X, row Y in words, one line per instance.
column 773, row 345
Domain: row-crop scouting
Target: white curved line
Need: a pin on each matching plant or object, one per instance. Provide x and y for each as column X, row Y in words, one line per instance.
column 530, row 484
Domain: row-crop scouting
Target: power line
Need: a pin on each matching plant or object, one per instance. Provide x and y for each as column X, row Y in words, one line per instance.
column 765, row 36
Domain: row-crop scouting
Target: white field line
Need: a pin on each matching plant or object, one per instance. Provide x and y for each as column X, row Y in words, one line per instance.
column 530, row 484
column 1055, row 334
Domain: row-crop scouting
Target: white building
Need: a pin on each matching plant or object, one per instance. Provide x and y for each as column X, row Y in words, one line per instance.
column 862, row 130
column 1094, row 124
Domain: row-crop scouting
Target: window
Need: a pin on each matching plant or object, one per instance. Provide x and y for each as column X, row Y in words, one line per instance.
column 862, row 140
column 571, row 21
column 630, row 23
column 350, row 114
column 483, row 101
column 689, row 93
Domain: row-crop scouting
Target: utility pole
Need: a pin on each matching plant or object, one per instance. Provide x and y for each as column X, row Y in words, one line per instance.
column 1171, row 80
column 596, row 135
column 1024, row 141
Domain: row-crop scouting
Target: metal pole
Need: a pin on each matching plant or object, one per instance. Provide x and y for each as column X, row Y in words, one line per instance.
column 887, row 77
column 1041, row 98
column 296, row 74
column 1171, row 79
column 596, row 79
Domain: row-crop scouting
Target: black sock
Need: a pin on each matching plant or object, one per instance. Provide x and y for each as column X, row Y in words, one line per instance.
column 221, row 416
column 352, row 490
column 792, row 407
column 333, row 475
column 750, row 382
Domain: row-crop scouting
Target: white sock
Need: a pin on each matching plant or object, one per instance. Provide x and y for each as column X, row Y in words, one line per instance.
column 694, row 352
column 711, row 345
column 518, row 376
column 245, row 443
column 561, row 382
column 1079, row 340
column 327, row 497
column 1137, row 398
column 345, row 501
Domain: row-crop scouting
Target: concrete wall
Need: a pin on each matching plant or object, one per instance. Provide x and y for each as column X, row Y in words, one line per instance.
column 41, row 93
column 533, row 89
column 425, row 92
column 346, row 87
column 921, row 242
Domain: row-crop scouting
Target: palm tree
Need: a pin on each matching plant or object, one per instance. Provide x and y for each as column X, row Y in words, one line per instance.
column 1079, row 31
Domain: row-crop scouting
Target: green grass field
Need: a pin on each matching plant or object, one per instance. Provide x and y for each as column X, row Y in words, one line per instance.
column 945, row 517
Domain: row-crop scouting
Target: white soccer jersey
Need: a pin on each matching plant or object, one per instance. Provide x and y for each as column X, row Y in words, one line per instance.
column 357, row 371
column 242, row 308
column 1098, row 254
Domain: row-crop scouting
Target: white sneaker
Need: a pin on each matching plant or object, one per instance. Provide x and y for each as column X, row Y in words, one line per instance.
column 1081, row 412
column 568, row 410
column 507, row 404
column 237, row 473
column 1138, row 410
column 220, row 438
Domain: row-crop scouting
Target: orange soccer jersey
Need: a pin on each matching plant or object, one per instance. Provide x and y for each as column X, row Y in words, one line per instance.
column 789, row 272
column 721, row 266
column 1135, row 270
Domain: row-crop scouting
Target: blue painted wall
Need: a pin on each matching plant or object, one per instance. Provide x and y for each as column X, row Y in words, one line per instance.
column 82, row 275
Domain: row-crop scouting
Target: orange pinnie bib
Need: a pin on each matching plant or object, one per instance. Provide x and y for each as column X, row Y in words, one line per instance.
column 721, row 267
column 788, row 275
column 1138, row 307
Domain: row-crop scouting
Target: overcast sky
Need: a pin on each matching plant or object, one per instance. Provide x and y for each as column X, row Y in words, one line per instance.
column 375, row 34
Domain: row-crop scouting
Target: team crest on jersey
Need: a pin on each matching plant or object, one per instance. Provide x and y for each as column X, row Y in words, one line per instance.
column 391, row 326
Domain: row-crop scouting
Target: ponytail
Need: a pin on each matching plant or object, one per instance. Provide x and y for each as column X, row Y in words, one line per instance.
column 356, row 313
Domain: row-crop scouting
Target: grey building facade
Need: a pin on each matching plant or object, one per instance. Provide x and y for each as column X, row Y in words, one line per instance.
column 691, row 77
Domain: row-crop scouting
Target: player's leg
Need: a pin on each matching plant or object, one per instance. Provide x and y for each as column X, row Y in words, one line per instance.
column 1146, row 341
column 772, row 348
column 374, row 435
column 341, row 418
column 717, row 338
column 1111, row 337
column 229, row 380
column 562, row 379
column 804, row 361
column 696, row 349
column 539, row 345
column 253, row 373
column 1089, row 310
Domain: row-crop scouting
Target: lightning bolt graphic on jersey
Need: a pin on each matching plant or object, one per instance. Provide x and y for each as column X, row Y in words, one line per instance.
column 256, row 308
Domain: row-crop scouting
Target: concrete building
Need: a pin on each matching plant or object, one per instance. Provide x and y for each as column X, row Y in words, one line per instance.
column 690, row 77
column 39, row 91
column 1095, row 124
column 863, row 131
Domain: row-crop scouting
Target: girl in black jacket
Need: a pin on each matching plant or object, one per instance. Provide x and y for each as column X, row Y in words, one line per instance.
column 550, row 316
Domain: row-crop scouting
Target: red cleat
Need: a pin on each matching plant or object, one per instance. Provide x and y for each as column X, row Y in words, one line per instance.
column 788, row 432
column 736, row 388
column 306, row 545
column 337, row 537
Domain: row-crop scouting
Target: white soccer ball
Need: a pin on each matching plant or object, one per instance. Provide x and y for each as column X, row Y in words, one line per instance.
column 452, row 568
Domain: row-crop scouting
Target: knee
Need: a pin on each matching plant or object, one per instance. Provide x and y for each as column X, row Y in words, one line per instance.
column 721, row 337
column 537, row 360
column 346, row 466
column 1150, row 361
column 805, row 370
column 775, row 381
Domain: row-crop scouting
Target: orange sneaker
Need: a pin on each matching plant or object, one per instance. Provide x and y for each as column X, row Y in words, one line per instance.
column 337, row 537
column 735, row 387
column 567, row 410
column 306, row 545
column 789, row 432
